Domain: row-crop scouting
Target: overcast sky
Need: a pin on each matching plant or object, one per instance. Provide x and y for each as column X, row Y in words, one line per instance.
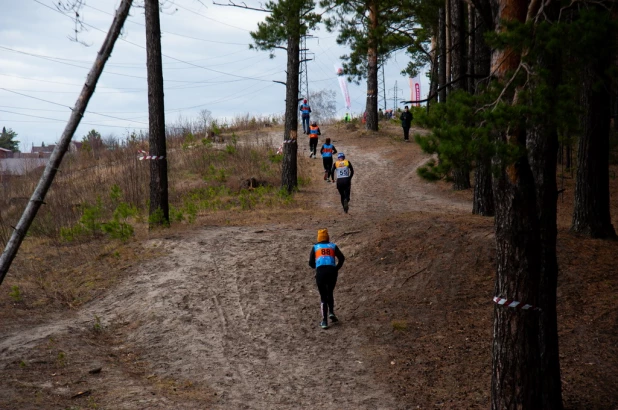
column 42, row 71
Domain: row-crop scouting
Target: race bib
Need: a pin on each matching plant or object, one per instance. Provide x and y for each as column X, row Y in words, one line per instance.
column 343, row 172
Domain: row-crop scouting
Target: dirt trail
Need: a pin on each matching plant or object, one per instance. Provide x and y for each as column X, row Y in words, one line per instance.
column 236, row 309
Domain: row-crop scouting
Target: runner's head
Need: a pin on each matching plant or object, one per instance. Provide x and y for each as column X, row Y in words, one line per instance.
column 305, row 101
column 341, row 155
column 314, row 123
column 327, row 141
column 323, row 235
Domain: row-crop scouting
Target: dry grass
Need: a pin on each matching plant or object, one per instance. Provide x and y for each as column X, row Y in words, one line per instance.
column 205, row 186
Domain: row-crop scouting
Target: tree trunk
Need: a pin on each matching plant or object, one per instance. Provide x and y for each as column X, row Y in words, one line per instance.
column 483, row 202
column 156, row 117
column 38, row 196
column 516, row 379
column 372, row 70
column 433, row 83
column 461, row 178
column 448, row 43
column 591, row 215
column 458, row 45
column 542, row 147
column 442, row 48
column 472, row 33
column 289, row 169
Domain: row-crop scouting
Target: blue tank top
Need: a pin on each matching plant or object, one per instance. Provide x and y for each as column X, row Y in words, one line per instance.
column 324, row 254
column 327, row 151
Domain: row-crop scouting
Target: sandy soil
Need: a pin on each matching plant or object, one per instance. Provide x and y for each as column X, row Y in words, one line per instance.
column 228, row 317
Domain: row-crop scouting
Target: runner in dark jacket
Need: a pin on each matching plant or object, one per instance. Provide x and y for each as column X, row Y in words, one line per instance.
column 327, row 151
column 343, row 170
column 326, row 258
column 406, row 122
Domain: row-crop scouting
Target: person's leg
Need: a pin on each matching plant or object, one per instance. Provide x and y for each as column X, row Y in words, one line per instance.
column 346, row 196
column 313, row 145
column 332, row 282
column 322, row 282
column 406, row 133
column 341, row 189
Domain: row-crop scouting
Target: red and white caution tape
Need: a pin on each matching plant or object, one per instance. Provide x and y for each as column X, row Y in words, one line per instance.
column 144, row 155
column 280, row 149
column 514, row 304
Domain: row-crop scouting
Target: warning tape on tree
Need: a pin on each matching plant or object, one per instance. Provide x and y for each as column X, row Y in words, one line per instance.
column 144, row 155
column 514, row 304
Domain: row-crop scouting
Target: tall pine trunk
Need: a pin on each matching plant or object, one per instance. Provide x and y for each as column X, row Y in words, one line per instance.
column 433, row 83
column 156, row 116
column 472, row 33
column 442, row 60
column 461, row 174
column 515, row 382
column 591, row 215
column 372, row 69
column 542, row 146
column 289, row 169
column 483, row 201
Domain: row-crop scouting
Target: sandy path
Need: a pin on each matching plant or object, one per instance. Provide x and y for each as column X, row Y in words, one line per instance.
column 237, row 308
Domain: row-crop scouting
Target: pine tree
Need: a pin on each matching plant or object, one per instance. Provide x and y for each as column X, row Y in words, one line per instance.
column 372, row 29
column 286, row 23
column 8, row 141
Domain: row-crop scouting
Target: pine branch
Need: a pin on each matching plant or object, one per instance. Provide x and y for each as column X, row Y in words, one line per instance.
column 242, row 6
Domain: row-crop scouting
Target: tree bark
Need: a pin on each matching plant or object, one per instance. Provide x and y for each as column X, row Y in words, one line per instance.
column 442, row 48
column 38, row 196
column 542, row 147
column 433, row 83
column 516, row 377
column 483, row 202
column 372, row 69
column 156, row 116
column 472, row 34
column 289, row 169
column 461, row 178
column 458, row 45
column 448, row 43
column 591, row 215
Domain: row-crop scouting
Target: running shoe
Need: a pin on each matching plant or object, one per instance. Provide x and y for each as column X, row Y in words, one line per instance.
column 333, row 318
column 324, row 324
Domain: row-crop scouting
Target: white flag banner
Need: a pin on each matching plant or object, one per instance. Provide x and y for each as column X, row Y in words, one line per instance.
column 344, row 85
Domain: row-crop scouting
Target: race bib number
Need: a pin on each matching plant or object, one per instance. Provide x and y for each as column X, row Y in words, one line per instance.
column 343, row 172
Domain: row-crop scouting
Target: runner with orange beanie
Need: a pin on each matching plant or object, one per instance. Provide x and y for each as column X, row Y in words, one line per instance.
column 322, row 259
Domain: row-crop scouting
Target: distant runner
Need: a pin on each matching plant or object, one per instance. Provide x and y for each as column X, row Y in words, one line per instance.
column 406, row 121
column 322, row 259
column 327, row 152
column 343, row 170
column 305, row 111
column 314, row 132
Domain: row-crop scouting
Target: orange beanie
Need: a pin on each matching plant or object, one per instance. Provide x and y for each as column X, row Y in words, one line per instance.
column 323, row 235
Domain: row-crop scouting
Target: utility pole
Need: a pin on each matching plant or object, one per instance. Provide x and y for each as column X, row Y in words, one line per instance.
column 382, row 86
column 395, row 95
column 303, row 72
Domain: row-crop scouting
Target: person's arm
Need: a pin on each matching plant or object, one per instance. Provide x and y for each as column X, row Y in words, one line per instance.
column 322, row 150
column 340, row 257
column 351, row 169
column 319, row 132
column 334, row 150
column 312, row 258
column 332, row 170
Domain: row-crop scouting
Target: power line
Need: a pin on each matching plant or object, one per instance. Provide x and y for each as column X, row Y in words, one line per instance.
column 169, row 32
column 164, row 55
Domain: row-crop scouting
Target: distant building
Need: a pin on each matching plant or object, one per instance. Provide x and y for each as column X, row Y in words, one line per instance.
column 6, row 153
